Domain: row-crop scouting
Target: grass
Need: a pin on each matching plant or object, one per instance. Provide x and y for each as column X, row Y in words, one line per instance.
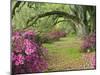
column 65, row 55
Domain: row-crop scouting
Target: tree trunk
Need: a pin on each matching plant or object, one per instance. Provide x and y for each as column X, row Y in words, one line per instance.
column 81, row 30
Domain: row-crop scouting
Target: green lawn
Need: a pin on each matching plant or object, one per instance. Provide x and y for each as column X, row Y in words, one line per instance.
column 65, row 55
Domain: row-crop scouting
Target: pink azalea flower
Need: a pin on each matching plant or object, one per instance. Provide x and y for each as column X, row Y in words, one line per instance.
column 29, row 51
column 13, row 56
column 16, row 36
column 19, row 59
column 93, row 62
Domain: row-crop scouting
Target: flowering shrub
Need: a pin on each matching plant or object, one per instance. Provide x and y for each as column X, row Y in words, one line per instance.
column 27, row 55
column 93, row 62
column 89, row 43
column 45, row 39
column 91, row 59
column 52, row 36
column 56, row 35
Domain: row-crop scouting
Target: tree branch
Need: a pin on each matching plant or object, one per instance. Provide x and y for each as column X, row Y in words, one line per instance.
column 15, row 6
column 58, row 13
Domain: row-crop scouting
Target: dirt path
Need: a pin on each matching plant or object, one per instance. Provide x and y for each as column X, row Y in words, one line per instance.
column 65, row 55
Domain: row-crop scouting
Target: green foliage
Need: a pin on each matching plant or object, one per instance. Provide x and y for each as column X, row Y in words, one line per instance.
column 82, row 20
column 86, row 15
column 29, row 9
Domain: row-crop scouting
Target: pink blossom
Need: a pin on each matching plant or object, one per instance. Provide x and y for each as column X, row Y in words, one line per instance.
column 19, row 59
column 29, row 51
column 27, row 42
column 13, row 56
column 16, row 35
column 93, row 62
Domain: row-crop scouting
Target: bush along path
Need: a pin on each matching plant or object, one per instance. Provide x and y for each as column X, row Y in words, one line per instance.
column 27, row 55
column 65, row 55
column 30, row 56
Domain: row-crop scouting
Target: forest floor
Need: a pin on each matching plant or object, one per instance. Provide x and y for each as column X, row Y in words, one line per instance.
column 65, row 55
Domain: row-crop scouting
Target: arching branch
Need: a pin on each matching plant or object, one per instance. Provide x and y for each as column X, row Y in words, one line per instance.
column 19, row 5
column 58, row 13
column 15, row 6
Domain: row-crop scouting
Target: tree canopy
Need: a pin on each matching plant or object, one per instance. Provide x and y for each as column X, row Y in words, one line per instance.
column 43, row 17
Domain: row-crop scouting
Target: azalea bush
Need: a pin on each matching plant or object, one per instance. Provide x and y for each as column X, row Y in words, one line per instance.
column 27, row 54
column 46, row 39
column 91, row 59
column 89, row 43
column 52, row 36
column 56, row 35
column 93, row 62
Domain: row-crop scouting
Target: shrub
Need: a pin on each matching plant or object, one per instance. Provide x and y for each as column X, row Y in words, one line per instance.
column 27, row 55
column 56, row 35
column 91, row 59
column 93, row 62
column 45, row 38
column 89, row 43
column 50, row 36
